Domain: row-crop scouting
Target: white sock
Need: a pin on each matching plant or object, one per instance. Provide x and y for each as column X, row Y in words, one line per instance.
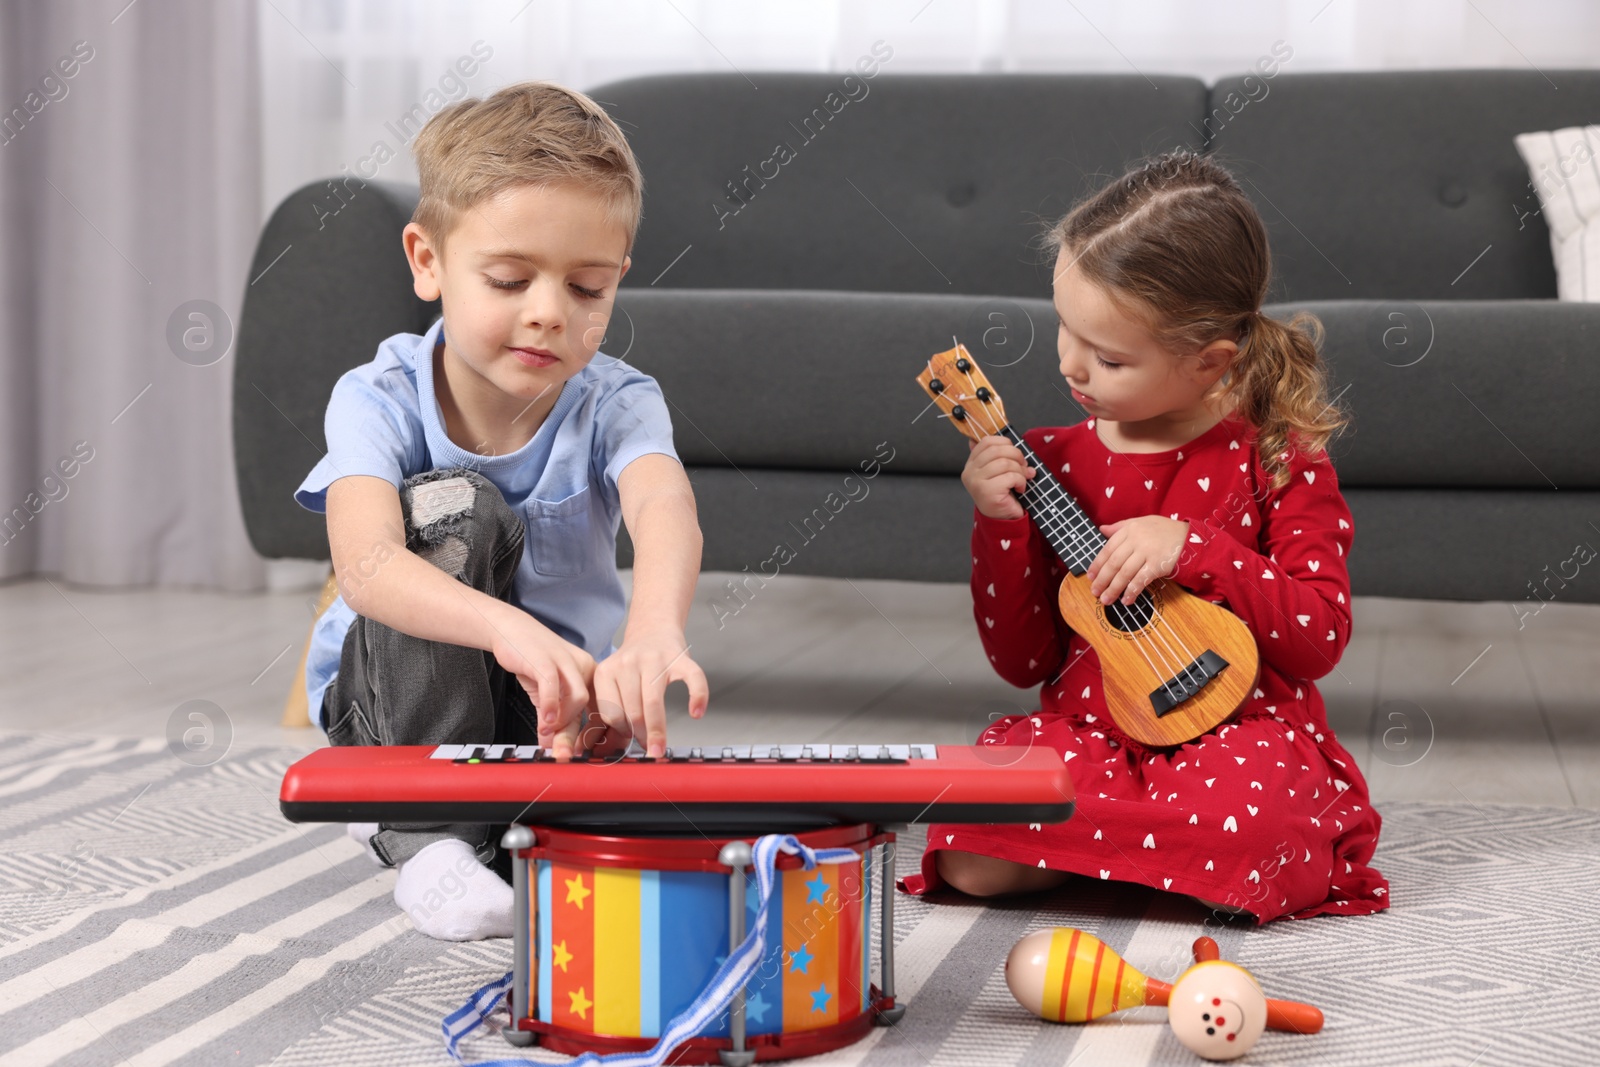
column 361, row 833
column 451, row 896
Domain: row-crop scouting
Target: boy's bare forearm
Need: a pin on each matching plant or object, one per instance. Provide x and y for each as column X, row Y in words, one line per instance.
column 400, row 589
column 666, row 562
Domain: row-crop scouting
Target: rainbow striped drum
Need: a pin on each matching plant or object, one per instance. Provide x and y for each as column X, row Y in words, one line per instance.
column 622, row 933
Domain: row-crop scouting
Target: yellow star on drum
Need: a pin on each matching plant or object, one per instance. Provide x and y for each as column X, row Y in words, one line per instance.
column 562, row 956
column 580, row 1004
column 576, row 892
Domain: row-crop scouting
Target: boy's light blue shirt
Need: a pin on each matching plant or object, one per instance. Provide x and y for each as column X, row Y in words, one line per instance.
column 383, row 420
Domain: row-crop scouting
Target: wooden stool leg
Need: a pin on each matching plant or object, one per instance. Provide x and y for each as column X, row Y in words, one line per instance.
column 295, row 710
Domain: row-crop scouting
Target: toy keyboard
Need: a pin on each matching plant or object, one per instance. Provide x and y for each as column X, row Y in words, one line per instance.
column 720, row 788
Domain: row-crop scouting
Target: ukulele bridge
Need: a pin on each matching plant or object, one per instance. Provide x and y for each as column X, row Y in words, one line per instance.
column 1187, row 682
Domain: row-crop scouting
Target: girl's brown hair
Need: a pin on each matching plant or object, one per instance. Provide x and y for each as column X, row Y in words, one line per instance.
column 1178, row 246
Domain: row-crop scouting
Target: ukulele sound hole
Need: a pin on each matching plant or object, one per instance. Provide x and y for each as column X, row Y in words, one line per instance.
column 1130, row 617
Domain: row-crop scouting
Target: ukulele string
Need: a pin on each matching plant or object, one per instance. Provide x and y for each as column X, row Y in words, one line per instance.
column 1080, row 551
column 1140, row 614
column 1183, row 654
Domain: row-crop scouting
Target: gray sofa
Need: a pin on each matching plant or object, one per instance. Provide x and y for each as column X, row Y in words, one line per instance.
column 785, row 307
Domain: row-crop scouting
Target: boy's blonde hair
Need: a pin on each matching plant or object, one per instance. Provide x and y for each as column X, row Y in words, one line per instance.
column 533, row 133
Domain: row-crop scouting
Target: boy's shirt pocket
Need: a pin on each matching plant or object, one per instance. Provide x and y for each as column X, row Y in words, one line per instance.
column 561, row 535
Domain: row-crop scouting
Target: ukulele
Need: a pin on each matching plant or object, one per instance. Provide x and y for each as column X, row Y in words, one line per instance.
column 1174, row 665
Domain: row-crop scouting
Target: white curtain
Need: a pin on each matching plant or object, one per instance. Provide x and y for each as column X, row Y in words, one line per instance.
column 130, row 196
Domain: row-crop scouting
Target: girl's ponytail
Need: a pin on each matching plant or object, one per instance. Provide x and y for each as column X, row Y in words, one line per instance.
column 1280, row 383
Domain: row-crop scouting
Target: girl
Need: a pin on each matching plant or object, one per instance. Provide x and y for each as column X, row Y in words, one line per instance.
column 1203, row 455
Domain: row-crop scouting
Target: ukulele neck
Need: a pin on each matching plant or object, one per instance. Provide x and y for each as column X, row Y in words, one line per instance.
column 1068, row 528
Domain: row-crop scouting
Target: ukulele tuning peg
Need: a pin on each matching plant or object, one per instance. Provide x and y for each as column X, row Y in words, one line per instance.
column 963, row 364
column 983, row 394
column 957, row 414
column 936, row 385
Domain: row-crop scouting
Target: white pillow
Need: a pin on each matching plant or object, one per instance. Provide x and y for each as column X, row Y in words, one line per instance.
column 1564, row 167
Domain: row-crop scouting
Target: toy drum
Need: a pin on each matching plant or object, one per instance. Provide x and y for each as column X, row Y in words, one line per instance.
column 617, row 935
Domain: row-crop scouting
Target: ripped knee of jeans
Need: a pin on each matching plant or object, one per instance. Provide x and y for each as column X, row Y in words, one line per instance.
column 441, row 505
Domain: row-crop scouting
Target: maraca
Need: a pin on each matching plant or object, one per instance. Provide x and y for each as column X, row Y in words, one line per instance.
column 1216, row 1008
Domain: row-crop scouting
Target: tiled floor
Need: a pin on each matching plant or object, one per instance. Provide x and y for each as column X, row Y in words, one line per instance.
column 1437, row 700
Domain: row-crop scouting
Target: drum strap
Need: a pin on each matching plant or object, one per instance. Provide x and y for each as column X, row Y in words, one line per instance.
column 731, row 977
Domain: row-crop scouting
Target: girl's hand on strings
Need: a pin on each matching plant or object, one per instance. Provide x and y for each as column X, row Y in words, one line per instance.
column 1139, row 551
column 994, row 469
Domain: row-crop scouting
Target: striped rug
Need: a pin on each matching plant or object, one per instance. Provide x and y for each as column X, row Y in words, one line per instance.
column 153, row 912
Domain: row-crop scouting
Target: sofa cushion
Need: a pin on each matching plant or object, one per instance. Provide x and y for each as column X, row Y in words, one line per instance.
column 1445, row 393
column 921, row 183
column 1565, row 173
column 1401, row 185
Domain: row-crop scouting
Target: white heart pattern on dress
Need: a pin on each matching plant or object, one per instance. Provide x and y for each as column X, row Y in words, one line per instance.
column 1311, row 476
column 1005, row 544
column 1205, row 483
column 1231, row 825
column 1315, row 565
column 1110, row 489
column 1302, row 619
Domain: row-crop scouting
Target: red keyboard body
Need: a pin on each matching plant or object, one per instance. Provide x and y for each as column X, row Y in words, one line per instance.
column 718, row 789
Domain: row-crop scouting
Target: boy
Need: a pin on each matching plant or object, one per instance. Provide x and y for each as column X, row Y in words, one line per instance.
column 475, row 478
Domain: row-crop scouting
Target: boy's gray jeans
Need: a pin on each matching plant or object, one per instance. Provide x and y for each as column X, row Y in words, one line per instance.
column 395, row 689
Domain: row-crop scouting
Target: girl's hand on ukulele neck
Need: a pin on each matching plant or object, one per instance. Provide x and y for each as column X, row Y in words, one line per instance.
column 1139, row 551
column 994, row 469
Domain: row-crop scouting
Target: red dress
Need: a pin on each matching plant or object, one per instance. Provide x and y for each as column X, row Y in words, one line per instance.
column 1269, row 812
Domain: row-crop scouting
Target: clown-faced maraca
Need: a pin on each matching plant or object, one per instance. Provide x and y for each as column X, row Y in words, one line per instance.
column 1215, row 1008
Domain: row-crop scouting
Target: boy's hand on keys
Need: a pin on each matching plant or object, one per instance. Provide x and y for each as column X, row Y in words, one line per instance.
column 994, row 468
column 558, row 677
column 630, row 685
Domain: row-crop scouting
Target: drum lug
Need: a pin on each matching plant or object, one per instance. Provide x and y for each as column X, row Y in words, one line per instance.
column 517, row 838
column 886, row 880
column 736, row 856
